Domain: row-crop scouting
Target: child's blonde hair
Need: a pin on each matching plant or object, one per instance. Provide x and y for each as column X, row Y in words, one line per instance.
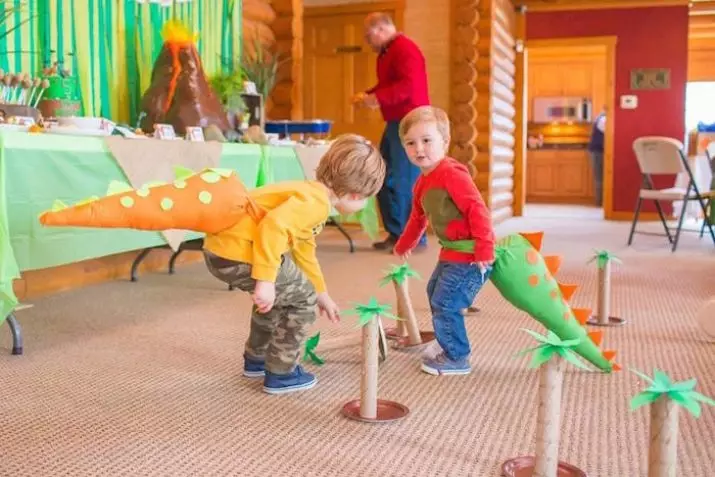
column 431, row 114
column 352, row 165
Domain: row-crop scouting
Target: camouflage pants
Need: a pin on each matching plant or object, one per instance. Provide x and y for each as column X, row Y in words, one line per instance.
column 278, row 335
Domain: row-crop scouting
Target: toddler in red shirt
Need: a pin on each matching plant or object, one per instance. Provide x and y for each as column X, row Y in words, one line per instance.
column 446, row 197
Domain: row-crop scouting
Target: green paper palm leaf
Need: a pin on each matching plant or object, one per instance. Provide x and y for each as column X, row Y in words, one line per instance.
column 398, row 274
column 682, row 393
column 552, row 345
column 310, row 346
column 370, row 311
column 602, row 257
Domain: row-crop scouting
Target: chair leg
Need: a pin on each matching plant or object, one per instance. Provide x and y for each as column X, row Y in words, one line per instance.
column 16, row 330
column 635, row 220
column 680, row 224
column 661, row 214
column 707, row 219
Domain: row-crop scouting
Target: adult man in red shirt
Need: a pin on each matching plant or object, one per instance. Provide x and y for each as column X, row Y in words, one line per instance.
column 401, row 87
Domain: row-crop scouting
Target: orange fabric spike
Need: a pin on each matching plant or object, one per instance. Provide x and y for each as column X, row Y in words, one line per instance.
column 534, row 238
column 596, row 337
column 616, row 367
column 567, row 290
column 553, row 263
column 582, row 314
column 609, row 354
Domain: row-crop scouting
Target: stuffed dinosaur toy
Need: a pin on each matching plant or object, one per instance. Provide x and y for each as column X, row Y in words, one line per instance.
column 214, row 200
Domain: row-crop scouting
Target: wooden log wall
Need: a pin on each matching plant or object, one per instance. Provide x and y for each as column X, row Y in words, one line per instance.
column 496, row 112
column 278, row 24
column 463, row 100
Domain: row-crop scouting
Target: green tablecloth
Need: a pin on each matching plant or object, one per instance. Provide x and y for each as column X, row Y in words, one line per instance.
column 36, row 169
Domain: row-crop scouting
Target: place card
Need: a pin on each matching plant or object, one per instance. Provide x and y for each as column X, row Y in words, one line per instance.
column 164, row 131
column 195, row 134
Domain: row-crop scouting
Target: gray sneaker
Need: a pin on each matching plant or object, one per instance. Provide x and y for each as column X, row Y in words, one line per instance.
column 442, row 365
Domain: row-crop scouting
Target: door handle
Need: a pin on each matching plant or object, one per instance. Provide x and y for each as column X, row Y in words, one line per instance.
column 348, row 49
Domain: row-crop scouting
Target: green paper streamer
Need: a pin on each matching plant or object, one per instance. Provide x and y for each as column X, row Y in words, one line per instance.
column 602, row 257
column 398, row 274
column 682, row 393
column 370, row 311
column 310, row 346
column 521, row 276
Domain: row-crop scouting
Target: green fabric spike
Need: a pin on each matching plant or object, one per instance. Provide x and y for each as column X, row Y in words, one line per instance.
column 118, row 187
column 368, row 312
column 682, row 393
column 551, row 345
column 58, row 205
column 519, row 274
column 223, row 172
column 398, row 274
column 181, row 172
column 310, row 346
column 87, row 200
column 602, row 257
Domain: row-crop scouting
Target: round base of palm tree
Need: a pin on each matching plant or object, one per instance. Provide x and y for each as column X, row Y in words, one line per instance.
column 387, row 411
column 391, row 333
column 524, row 467
column 612, row 321
column 404, row 341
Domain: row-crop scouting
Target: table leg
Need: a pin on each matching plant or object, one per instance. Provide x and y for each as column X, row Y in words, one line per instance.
column 16, row 331
column 137, row 261
column 344, row 232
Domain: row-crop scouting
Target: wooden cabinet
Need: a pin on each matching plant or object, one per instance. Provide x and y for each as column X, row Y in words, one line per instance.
column 559, row 177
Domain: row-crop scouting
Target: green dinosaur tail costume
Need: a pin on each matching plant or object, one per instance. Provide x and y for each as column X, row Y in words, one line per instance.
column 526, row 279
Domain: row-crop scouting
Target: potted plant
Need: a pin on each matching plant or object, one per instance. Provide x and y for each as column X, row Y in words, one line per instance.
column 260, row 67
column 228, row 86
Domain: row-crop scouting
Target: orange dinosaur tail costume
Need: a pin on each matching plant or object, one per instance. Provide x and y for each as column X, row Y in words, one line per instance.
column 209, row 201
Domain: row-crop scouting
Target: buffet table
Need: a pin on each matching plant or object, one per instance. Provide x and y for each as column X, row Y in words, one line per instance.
column 37, row 169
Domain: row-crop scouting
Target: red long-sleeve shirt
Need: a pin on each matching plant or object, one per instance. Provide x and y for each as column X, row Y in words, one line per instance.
column 401, row 79
column 448, row 199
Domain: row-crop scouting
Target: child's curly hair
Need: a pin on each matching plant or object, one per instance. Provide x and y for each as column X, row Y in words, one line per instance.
column 352, row 165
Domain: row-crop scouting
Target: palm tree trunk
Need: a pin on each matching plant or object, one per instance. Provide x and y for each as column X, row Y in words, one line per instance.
column 663, row 451
column 548, row 424
column 604, row 293
column 368, row 383
column 407, row 313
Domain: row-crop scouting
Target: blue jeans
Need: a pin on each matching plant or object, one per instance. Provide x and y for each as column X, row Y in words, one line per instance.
column 395, row 197
column 451, row 289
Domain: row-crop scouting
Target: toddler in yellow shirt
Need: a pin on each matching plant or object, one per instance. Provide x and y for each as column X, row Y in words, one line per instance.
column 285, row 288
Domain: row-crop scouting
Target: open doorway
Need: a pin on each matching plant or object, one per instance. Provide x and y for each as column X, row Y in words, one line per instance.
column 569, row 88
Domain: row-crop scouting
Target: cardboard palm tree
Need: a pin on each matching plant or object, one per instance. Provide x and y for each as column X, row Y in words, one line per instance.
column 604, row 259
column 550, row 356
column 664, row 396
column 407, row 332
column 369, row 408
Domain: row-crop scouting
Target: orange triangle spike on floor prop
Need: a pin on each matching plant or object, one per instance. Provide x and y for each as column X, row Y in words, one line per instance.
column 567, row 291
column 534, row 238
column 582, row 314
column 596, row 337
column 609, row 354
column 616, row 367
column 553, row 263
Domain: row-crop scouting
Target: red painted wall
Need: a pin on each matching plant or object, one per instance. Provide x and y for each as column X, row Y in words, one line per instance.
column 647, row 38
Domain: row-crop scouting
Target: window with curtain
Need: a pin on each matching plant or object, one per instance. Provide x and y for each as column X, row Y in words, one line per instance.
column 699, row 104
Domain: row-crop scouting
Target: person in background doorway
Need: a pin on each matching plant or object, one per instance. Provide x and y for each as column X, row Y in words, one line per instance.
column 595, row 148
column 401, row 87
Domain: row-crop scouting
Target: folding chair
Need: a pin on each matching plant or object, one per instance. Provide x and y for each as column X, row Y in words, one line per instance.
column 663, row 155
column 710, row 216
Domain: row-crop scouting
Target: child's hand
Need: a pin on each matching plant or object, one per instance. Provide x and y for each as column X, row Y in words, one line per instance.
column 404, row 256
column 264, row 295
column 327, row 306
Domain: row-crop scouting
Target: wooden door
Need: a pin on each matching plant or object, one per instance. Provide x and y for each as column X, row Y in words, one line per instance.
column 337, row 64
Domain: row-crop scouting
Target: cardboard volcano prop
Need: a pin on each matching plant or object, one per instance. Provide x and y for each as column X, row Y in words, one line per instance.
column 179, row 93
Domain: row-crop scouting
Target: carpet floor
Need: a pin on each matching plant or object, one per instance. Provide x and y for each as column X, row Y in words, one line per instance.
column 144, row 379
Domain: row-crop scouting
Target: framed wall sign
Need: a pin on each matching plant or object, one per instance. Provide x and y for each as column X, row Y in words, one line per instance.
column 650, row 78
column 164, row 131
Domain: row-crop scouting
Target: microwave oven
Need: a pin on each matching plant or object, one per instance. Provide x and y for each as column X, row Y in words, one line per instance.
column 564, row 109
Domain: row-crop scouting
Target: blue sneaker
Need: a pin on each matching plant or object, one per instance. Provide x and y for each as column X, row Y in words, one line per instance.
column 442, row 365
column 298, row 380
column 253, row 367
